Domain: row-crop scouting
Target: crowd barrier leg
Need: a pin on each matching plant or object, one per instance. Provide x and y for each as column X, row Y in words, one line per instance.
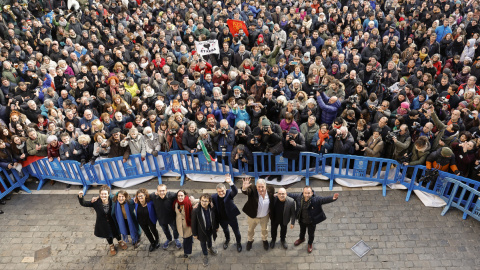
column 332, row 173
column 412, row 183
column 180, row 165
column 21, row 180
column 39, row 175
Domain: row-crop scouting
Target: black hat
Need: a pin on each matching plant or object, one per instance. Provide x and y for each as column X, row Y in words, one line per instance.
column 175, row 83
column 263, row 60
column 31, row 70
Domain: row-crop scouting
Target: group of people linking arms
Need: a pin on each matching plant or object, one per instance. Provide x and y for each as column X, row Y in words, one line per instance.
column 120, row 216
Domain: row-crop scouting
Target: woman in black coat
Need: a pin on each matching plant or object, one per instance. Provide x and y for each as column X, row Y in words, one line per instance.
column 104, row 225
column 190, row 137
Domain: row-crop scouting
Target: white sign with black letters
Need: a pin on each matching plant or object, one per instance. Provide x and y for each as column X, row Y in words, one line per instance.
column 207, row 47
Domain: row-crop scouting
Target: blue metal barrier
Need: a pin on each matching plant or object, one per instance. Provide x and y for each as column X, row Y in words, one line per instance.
column 384, row 171
column 468, row 201
column 459, row 192
column 197, row 163
column 16, row 182
column 268, row 164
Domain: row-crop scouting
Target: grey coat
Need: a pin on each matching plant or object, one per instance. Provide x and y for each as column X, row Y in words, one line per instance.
column 288, row 211
column 152, row 144
column 137, row 146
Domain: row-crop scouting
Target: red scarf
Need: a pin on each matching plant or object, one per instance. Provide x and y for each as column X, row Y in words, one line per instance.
column 322, row 138
column 187, row 207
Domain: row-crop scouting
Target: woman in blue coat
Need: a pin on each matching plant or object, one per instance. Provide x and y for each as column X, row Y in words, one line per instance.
column 125, row 218
column 147, row 217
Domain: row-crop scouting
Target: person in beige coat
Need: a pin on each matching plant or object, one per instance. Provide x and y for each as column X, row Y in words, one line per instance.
column 183, row 207
column 372, row 148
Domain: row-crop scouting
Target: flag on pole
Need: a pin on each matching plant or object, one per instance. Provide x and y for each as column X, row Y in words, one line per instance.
column 205, row 152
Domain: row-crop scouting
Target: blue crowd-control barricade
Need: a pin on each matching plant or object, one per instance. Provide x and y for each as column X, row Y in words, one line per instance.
column 458, row 192
column 267, row 164
column 467, row 201
column 197, row 163
column 10, row 180
column 383, row 171
column 66, row 171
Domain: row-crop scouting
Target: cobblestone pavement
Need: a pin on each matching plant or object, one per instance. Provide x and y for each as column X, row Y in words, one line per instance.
column 401, row 235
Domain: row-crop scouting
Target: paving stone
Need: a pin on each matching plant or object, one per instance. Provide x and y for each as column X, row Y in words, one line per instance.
column 402, row 235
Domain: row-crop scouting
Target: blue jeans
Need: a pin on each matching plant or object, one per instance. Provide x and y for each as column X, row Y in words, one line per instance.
column 166, row 231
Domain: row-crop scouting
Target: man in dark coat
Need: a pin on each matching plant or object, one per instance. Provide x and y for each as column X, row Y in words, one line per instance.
column 293, row 145
column 257, row 208
column 163, row 203
column 116, row 149
column 309, row 213
column 205, row 226
column 226, row 211
column 283, row 213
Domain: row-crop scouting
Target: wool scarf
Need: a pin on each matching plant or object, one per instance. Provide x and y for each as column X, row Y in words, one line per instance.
column 187, row 208
column 121, row 222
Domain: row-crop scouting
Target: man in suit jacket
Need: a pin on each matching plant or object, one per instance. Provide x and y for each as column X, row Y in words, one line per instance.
column 257, row 208
column 205, row 226
column 309, row 213
column 227, row 212
column 283, row 212
column 163, row 203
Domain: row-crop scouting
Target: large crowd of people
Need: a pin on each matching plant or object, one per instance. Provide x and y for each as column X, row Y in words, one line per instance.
column 82, row 80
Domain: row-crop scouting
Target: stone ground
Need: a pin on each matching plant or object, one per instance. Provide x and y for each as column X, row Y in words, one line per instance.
column 401, row 234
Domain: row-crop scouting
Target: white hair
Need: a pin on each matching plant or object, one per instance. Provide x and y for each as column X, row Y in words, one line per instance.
column 282, row 100
column 241, row 124
column 147, row 130
column 202, row 131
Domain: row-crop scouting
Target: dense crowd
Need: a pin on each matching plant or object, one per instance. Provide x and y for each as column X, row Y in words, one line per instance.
column 99, row 79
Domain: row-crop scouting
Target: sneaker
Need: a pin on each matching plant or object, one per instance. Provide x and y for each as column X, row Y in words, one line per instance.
column 183, row 256
column 265, row 245
column 205, row 261
column 1, row 212
column 165, row 245
column 212, row 251
column 178, row 244
column 156, row 245
column 69, row 186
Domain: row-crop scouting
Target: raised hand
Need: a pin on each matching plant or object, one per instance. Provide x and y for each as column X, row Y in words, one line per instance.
column 228, row 178
column 335, row 196
column 246, row 183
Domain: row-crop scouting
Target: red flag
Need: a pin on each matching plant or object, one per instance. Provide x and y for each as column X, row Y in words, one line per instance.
column 234, row 25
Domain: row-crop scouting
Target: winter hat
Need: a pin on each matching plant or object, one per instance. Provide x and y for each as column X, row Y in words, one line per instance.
column 446, row 152
column 293, row 130
column 405, row 105
column 129, row 125
column 265, row 122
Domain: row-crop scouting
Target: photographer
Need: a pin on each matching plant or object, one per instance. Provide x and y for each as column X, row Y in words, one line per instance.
column 242, row 133
column 442, row 159
column 242, row 153
column 309, row 130
column 381, row 111
column 445, row 133
column 225, row 137
column 425, row 131
column 255, row 140
column 329, row 107
column 382, row 124
column 344, row 143
column 401, row 142
column 272, row 138
column 293, row 144
column 420, row 152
